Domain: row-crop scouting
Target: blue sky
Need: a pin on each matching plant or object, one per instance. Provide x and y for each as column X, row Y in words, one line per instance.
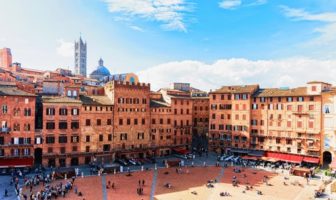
column 222, row 37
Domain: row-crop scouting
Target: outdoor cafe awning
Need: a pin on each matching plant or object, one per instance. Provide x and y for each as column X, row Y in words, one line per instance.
column 285, row 157
column 311, row 160
column 16, row 162
column 181, row 151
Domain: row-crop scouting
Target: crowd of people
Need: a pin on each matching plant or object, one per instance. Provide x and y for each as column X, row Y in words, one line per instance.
column 42, row 186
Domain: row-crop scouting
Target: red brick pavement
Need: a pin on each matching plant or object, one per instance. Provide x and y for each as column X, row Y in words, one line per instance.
column 197, row 176
column 126, row 186
column 253, row 177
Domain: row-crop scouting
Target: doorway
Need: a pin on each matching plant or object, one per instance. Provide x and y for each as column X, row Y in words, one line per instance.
column 38, row 156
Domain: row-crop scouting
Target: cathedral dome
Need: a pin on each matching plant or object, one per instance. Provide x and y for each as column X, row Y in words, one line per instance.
column 101, row 71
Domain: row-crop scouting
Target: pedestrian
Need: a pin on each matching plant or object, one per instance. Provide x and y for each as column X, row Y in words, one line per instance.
column 6, row 193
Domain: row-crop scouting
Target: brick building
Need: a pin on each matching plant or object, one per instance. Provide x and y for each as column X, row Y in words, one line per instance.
column 17, row 118
column 230, row 115
column 279, row 123
column 131, row 117
column 162, row 127
column 96, row 129
column 61, row 132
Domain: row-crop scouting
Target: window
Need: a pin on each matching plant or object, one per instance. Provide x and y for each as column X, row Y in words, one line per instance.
column 75, row 111
column 123, row 136
column 62, row 125
column 314, row 88
column 101, row 137
column 63, row 111
column 143, row 121
column 4, row 109
column 87, row 149
column 62, row 150
column 289, row 99
column 16, row 127
column 50, row 125
column 50, row 111
column 135, row 121
column 299, row 124
column 213, row 116
column 16, row 111
column 326, row 109
column 74, row 125
column 109, row 137
column 214, row 97
column 74, row 139
column 168, row 121
column 106, row 147
column 311, row 124
column 120, row 121
column 27, row 112
column 289, row 107
column 87, row 122
column 74, row 148
column 62, row 139
column 254, row 106
column 109, row 122
column 300, row 99
column 128, row 121
column 87, row 138
column 141, row 136
column 50, row 150
column 311, row 107
column 26, row 127
column 300, row 108
column 50, row 139
column 98, row 122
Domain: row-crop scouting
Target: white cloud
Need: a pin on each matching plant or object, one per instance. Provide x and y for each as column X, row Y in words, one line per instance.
column 170, row 13
column 268, row 73
column 65, row 49
column 232, row 4
column 137, row 28
column 301, row 14
column 325, row 43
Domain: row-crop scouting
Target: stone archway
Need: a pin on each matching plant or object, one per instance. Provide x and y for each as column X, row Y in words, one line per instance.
column 327, row 158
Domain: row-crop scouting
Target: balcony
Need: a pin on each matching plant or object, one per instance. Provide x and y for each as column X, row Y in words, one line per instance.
column 5, row 130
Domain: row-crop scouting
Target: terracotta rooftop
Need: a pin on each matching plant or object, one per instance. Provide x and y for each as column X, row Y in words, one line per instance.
column 48, row 99
column 237, row 89
column 278, row 92
column 312, row 82
column 13, row 91
column 95, row 100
